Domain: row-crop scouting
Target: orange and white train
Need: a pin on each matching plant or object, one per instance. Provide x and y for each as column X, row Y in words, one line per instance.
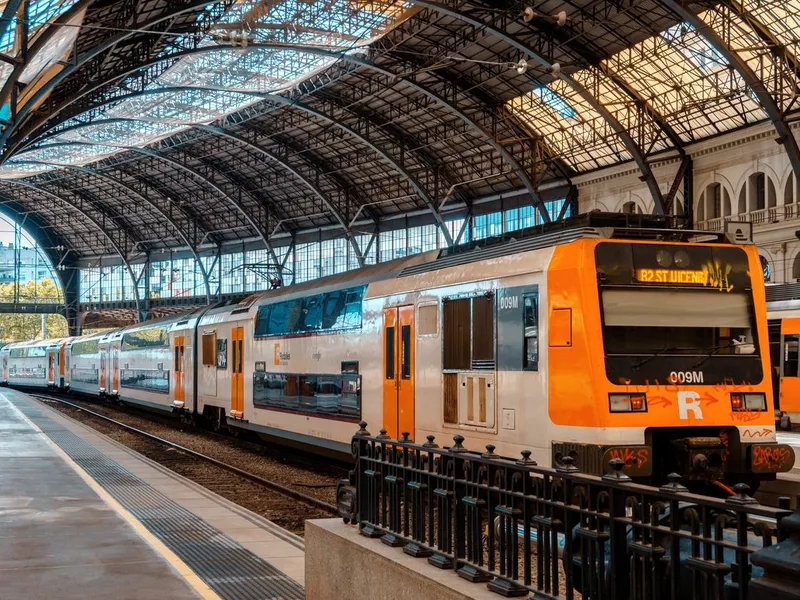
column 645, row 345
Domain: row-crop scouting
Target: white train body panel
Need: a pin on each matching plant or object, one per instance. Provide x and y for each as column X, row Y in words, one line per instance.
column 146, row 367
column 34, row 364
column 83, row 364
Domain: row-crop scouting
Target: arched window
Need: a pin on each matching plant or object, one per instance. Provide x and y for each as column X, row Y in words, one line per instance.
column 766, row 268
column 796, row 268
column 788, row 191
column 762, row 192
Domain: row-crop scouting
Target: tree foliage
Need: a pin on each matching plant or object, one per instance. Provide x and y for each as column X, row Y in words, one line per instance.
column 21, row 327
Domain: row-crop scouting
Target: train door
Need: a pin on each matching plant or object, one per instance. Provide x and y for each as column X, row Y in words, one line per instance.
column 103, row 358
column 115, row 369
column 5, row 367
column 51, row 367
column 179, row 369
column 62, row 354
column 398, row 366
column 237, row 377
column 790, row 366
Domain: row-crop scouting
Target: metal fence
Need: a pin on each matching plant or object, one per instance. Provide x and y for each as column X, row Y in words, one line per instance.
column 524, row 529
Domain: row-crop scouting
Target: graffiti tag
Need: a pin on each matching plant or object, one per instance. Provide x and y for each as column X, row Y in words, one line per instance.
column 632, row 457
column 770, row 458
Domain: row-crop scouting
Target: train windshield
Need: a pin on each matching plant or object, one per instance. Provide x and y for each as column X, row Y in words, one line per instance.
column 672, row 309
column 644, row 322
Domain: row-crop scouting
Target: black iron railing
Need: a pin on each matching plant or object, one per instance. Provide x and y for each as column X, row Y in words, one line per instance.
column 523, row 529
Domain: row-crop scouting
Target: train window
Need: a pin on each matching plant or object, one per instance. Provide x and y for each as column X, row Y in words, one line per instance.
column 790, row 355
column 209, row 349
column 153, row 380
column 530, row 324
column 468, row 332
column 311, row 315
column 84, row 347
column 405, row 340
column 389, row 354
column 332, row 395
column 428, row 319
column 333, row 309
column 28, row 352
column 222, row 353
column 153, row 337
column 456, row 318
column 321, row 312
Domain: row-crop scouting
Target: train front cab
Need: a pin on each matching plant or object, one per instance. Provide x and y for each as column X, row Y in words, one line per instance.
column 672, row 339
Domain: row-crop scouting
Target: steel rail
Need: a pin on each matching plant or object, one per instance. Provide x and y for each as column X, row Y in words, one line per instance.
column 277, row 487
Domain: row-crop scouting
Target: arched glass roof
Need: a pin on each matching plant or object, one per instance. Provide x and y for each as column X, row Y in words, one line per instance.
column 214, row 79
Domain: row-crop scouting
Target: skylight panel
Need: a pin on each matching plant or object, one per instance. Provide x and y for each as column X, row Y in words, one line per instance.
column 554, row 101
column 333, row 23
column 694, row 47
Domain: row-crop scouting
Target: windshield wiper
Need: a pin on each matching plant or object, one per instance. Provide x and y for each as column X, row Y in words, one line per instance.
column 711, row 352
column 652, row 356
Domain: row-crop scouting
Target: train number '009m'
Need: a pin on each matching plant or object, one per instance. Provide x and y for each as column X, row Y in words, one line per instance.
column 686, row 377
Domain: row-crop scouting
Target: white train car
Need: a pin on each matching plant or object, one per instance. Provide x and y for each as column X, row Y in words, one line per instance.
column 151, row 364
column 82, row 361
column 37, row 364
column 278, row 365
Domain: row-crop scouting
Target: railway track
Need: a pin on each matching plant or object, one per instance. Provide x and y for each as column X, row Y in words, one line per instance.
column 276, row 500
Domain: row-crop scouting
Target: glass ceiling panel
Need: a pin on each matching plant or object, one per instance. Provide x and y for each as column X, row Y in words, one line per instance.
column 221, row 78
column 781, row 17
column 574, row 130
column 688, row 83
column 779, row 81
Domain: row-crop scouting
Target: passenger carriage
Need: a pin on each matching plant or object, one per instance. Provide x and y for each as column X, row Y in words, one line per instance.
column 35, row 364
column 82, row 357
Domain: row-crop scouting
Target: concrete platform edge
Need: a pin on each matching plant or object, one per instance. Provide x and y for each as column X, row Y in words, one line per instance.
column 340, row 563
column 195, row 582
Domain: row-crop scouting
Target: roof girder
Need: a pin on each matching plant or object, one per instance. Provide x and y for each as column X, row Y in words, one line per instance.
column 785, row 135
column 452, row 9
column 340, row 217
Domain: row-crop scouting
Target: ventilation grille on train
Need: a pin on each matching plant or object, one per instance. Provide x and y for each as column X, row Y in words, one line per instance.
column 500, row 250
column 785, row 291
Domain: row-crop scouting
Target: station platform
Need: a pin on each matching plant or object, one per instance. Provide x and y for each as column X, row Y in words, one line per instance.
column 82, row 516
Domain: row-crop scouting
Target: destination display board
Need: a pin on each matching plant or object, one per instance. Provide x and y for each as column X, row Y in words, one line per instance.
column 724, row 268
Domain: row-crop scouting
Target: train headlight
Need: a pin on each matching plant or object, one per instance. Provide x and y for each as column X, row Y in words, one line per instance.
column 748, row 402
column 627, row 402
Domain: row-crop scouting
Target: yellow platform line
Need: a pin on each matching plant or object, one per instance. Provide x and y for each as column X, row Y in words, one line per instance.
column 181, row 567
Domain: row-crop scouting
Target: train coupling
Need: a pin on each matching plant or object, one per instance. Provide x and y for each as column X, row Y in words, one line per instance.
column 702, row 457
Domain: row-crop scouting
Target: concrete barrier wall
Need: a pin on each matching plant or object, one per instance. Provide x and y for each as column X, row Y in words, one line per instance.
column 340, row 563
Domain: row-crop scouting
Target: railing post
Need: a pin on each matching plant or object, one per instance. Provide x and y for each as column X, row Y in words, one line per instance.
column 618, row 536
column 459, row 493
column 781, row 565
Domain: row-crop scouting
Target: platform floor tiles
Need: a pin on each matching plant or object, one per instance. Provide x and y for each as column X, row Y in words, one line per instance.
column 82, row 516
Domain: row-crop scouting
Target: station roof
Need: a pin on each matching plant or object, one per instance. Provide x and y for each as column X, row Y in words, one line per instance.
column 138, row 125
